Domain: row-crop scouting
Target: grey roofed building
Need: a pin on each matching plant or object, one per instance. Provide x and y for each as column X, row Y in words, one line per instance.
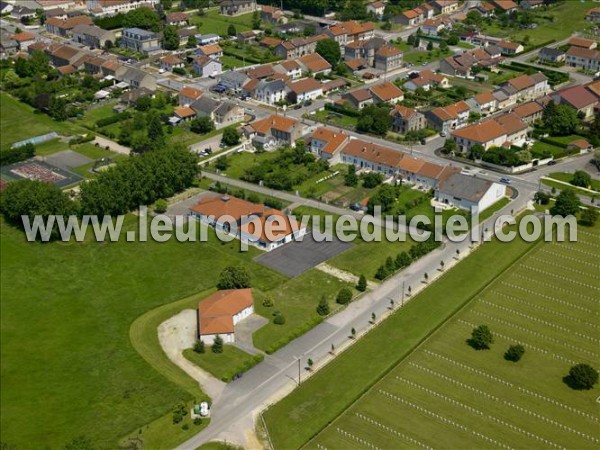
column 225, row 108
column 549, row 52
column 55, row 12
column 205, row 106
column 233, row 79
column 465, row 187
column 138, row 78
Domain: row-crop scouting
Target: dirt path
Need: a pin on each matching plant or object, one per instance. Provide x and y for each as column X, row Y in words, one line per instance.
column 343, row 275
column 175, row 335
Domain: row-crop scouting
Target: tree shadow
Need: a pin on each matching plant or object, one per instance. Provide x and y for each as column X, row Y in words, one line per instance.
column 476, row 345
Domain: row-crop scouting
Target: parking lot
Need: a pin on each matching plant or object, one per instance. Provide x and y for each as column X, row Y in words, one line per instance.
column 299, row 256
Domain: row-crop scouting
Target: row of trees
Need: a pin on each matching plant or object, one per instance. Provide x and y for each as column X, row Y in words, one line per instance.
column 405, row 259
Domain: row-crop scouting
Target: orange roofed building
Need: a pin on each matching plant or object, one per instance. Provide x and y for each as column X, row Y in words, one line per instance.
column 264, row 227
column 219, row 313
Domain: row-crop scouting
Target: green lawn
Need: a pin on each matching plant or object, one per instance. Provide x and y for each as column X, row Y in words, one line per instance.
column 213, row 22
column 490, row 211
column 20, row 121
column 335, row 118
column 297, row 300
column 423, row 56
column 567, row 177
column 446, row 388
column 563, row 19
column 91, row 116
column 307, row 410
column 69, row 367
column 232, row 62
column 226, row 365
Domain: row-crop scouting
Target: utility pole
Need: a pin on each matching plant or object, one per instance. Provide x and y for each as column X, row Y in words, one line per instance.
column 299, row 371
column 403, row 291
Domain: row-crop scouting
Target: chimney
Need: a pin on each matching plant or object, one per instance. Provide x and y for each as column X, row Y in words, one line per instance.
column 225, row 198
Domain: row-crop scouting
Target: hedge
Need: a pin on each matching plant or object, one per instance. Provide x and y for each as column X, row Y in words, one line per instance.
column 113, row 119
column 342, row 110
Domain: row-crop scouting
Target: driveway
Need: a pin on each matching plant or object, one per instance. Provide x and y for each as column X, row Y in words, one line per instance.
column 244, row 330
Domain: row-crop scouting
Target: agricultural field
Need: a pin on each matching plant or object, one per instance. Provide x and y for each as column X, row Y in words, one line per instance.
column 447, row 392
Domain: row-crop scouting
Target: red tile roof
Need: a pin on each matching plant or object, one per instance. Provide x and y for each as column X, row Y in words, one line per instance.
column 374, row 153
column 215, row 313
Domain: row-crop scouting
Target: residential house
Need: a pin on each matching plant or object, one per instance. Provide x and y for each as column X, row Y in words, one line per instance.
column 228, row 113
column 505, row 6
column 433, row 27
column 327, row 144
column 183, row 114
column 386, row 92
column 64, row 27
column 551, row 55
column 140, row 41
column 259, row 225
column 351, row 30
column 272, row 15
column 409, row 18
column 290, row 68
column 580, row 98
column 461, row 65
column 430, row 175
column 376, row 8
column 210, row 38
column 268, row 90
column 219, row 313
column 488, row 133
column 369, row 156
column 24, row 39
column 314, row 64
column 364, row 49
column 483, row 103
column 171, row 62
column 9, row 46
column 185, row 34
column 358, row 98
column 485, row 9
column 112, row 68
column 510, row 48
column 516, row 129
column 6, row 8
column 407, row 119
column 448, row 118
column 355, row 65
column 583, row 43
column 529, row 112
column 207, row 67
column 22, row 12
column 470, row 193
column 101, row 8
column 270, row 42
column 388, row 58
column 582, row 145
column 306, row 89
column 65, row 55
column 137, row 78
column 444, row 6
column 93, row 36
column 210, row 50
column 233, row 79
column 188, row 95
column 297, row 47
column 593, row 15
column 427, row 80
column 178, row 19
column 583, row 58
column 526, row 87
column 277, row 129
column 334, row 85
column 247, row 37
column 237, row 7
column 531, row 4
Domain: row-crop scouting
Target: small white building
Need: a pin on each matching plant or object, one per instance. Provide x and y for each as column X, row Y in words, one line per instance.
column 467, row 192
column 219, row 313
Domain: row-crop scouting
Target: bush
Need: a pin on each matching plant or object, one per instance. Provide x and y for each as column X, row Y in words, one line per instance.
column 234, row 277
column 217, row 346
column 481, row 338
column 13, row 155
column 199, row 346
column 581, row 377
column 344, row 296
column 113, row 119
column 268, row 302
column 381, row 273
column 514, row 353
column 589, row 216
column 160, row 206
column 179, row 70
column 279, row 319
column 197, row 421
column 361, row 286
column 323, row 307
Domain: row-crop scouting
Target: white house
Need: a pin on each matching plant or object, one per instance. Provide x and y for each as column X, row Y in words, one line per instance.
column 219, row 313
column 469, row 193
column 207, row 67
column 307, row 89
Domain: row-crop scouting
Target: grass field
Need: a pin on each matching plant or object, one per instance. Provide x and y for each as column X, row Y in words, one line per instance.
column 447, row 394
column 225, row 365
column 567, row 177
column 19, row 121
column 213, row 22
column 69, row 367
column 556, row 23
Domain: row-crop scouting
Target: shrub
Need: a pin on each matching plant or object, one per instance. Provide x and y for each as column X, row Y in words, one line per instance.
column 279, row 319
column 160, row 206
column 381, row 273
column 199, row 346
column 113, row 119
column 514, row 353
column 268, row 302
column 481, row 338
column 323, row 307
column 234, row 277
column 197, row 421
column 217, row 346
column 581, row 377
column 362, row 284
column 344, row 296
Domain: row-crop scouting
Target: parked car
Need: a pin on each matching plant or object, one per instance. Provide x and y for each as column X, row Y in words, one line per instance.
column 423, row 141
column 505, row 180
column 552, row 163
column 443, row 134
column 355, row 207
column 208, row 150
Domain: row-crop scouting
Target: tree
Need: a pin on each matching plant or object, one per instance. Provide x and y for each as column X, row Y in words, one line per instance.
column 452, row 39
column 217, row 346
column 402, row 260
column 144, row 17
column 231, row 31
column 329, row 50
column 156, row 135
column 381, row 273
column 514, row 353
column 199, row 346
column 143, row 103
column 323, row 306
column 481, row 338
column 351, row 179
column 589, row 216
column 279, row 319
column 11, row 78
column 170, row 38
column 256, row 20
column 344, row 296
column 560, row 119
column 160, row 206
column 234, row 277
column 222, row 163
column 231, row 136
column 581, row 377
column 374, row 119
column 567, row 204
column 191, row 42
column 202, row 125
column 371, row 179
column 430, row 46
column 58, row 108
column 581, row 179
column 450, row 146
column 361, row 286
column 390, row 266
